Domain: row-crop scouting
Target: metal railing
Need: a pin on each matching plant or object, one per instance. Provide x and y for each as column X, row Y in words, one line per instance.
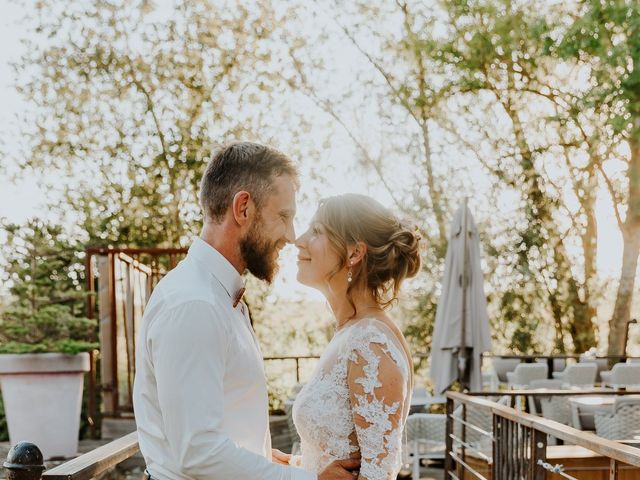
column 119, row 282
column 489, row 441
column 292, row 358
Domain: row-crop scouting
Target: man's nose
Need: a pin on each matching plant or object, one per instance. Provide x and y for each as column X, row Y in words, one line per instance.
column 291, row 234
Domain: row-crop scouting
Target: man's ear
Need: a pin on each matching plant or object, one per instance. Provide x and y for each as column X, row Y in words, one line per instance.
column 242, row 207
column 356, row 253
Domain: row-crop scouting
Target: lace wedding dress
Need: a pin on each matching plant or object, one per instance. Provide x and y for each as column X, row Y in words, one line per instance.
column 356, row 402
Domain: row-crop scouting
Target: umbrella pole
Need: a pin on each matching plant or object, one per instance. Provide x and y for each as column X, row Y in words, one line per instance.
column 463, row 360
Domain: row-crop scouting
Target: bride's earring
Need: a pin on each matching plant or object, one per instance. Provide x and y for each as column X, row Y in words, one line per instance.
column 350, row 273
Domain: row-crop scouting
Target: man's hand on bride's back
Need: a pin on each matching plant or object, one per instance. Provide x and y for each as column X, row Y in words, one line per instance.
column 341, row 470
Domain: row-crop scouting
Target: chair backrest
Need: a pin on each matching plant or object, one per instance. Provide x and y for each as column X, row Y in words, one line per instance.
column 627, row 401
column 481, row 418
column 426, row 426
column 503, row 365
column 547, row 383
column 625, row 374
column 420, row 392
column 556, row 408
column 601, row 363
column 581, row 374
column 526, row 372
column 559, row 364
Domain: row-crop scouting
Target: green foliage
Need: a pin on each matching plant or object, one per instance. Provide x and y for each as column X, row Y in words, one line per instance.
column 136, row 101
column 146, row 95
column 51, row 328
column 44, row 272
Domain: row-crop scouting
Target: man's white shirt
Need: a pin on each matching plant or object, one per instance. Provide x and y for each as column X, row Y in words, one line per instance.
column 200, row 394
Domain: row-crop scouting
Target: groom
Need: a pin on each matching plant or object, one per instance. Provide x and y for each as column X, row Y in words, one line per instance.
column 200, row 395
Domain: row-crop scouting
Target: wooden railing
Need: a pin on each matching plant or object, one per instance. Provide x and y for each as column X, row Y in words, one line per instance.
column 517, row 443
column 23, row 463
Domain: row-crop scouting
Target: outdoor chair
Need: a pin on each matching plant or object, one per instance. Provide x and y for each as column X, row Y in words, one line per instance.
column 420, row 399
column 525, row 373
column 622, row 375
column 556, row 408
column 601, row 363
column 559, row 364
column 293, row 432
column 426, row 438
column 623, row 423
column 503, row 365
column 534, row 402
column 578, row 375
column 490, row 381
column 481, row 418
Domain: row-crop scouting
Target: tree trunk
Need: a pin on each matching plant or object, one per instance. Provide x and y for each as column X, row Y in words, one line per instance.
column 630, row 251
column 621, row 311
column 578, row 316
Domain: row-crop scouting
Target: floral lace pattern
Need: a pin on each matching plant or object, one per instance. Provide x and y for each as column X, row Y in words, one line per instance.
column 357, row 401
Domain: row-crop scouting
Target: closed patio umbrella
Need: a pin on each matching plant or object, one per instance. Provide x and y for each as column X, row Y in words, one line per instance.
column 461, row 331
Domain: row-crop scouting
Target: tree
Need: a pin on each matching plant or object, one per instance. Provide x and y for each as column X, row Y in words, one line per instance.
column 45, row 271
column 526, row 130
column 135, row 98
column 446, row 76
column 605, row 38
column 388, row 110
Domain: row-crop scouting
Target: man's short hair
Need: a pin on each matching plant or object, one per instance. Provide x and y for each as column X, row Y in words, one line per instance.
column 242, row 166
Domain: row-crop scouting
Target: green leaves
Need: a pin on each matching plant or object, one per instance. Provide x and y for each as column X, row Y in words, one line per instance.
column 45, row 271
column 51, row 328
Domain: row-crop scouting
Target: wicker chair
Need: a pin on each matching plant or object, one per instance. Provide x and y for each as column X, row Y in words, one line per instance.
column 503, row 365
column 556, row 408
column 602, row 364
column 293, row 432
column 623, row 423
column 625, row 375
column 578, row 375
column 426, row 438
column 481, row 418
column 534, row 402
column 525, row 373
column 559, row 364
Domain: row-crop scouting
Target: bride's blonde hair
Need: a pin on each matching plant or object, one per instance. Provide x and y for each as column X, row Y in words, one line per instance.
column 393, row 249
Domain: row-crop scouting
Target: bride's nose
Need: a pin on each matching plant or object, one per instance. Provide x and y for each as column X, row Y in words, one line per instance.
column 299, row 242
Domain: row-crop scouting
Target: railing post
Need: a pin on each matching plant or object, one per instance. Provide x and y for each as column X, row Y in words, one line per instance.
column 538, row 452
column 495, row 450
column 24, row 462
column 448, row 441
column 92, row 408
column 297, row 370
column 613, row 469
column 463, row 434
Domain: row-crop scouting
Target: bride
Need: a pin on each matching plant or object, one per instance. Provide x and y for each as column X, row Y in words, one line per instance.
column 357, row 254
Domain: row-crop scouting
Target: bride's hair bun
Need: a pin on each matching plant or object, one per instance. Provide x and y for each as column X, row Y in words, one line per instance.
column 393, row 248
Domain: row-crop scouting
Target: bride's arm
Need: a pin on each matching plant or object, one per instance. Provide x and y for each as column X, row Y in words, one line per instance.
column 377, row 388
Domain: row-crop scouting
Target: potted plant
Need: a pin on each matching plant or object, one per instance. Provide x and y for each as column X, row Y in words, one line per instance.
column 44, row 340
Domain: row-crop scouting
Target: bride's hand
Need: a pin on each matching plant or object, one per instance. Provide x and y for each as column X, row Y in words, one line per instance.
column 341, row 470
column 280, row 457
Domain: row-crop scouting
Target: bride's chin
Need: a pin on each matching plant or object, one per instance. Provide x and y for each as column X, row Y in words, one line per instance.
column 300, row 278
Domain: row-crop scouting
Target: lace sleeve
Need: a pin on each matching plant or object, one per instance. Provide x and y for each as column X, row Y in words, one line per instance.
column 377, row 379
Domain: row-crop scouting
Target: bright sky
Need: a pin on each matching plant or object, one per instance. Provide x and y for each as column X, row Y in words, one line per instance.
column 25, row 198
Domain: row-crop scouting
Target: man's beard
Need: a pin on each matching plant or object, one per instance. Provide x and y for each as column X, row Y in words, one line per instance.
column 259, row 254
